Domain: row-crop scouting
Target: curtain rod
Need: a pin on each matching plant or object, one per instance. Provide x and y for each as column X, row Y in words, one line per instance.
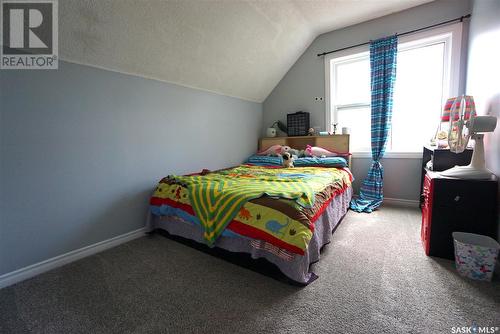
column 461, row 18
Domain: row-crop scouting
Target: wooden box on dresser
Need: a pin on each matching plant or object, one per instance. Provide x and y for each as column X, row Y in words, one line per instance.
column 451, row 205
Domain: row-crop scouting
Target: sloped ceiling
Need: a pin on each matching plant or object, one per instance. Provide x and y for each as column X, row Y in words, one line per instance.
column 239, row 48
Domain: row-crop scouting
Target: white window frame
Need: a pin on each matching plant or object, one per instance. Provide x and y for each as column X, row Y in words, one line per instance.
column 451, row 35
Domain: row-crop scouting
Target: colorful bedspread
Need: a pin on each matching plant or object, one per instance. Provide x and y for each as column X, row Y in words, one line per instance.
column 273, row 204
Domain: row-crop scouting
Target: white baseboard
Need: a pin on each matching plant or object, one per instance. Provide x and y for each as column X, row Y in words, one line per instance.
column 401, row 202
column 41, row 267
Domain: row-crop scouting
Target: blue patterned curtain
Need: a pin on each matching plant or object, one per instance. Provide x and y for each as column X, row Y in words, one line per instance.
column 383, row 54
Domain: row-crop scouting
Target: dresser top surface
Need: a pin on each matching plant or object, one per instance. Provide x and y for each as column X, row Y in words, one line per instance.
column 435, row 148
column 437, row 175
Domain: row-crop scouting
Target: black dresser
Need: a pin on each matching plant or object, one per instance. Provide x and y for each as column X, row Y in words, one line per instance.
column 456, row 205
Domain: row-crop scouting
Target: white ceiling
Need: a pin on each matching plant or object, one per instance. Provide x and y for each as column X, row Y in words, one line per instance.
column 239, row 48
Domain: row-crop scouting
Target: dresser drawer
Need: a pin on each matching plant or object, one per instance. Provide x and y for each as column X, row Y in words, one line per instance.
column 447, row 220
column 465, row 194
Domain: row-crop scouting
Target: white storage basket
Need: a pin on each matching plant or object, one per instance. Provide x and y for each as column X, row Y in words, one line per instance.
column 475, row 255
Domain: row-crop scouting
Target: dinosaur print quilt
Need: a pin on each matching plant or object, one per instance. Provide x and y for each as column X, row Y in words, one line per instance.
column 277, row 205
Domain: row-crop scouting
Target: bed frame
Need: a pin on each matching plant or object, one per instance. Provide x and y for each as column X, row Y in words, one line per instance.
column 239, row 251
column 338, row 143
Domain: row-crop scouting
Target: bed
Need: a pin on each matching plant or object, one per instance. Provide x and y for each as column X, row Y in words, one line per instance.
column 282, row 215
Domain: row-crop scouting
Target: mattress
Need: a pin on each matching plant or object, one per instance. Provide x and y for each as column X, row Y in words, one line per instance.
column 294, row 266
column 276, row 205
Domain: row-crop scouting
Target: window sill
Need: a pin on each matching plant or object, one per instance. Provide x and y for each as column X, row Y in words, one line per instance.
column 389, row 155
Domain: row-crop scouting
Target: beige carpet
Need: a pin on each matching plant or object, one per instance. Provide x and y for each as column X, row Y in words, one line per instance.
column 374, row 278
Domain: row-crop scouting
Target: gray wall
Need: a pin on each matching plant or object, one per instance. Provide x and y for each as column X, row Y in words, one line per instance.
column 306, row 79
column 484, row 71
column 82, row 148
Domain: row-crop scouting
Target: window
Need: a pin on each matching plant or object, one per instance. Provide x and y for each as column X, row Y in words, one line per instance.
column 427, row 74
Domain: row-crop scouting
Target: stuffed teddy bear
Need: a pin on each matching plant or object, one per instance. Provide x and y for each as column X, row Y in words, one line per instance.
column 294, row 152
column 287, row 160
